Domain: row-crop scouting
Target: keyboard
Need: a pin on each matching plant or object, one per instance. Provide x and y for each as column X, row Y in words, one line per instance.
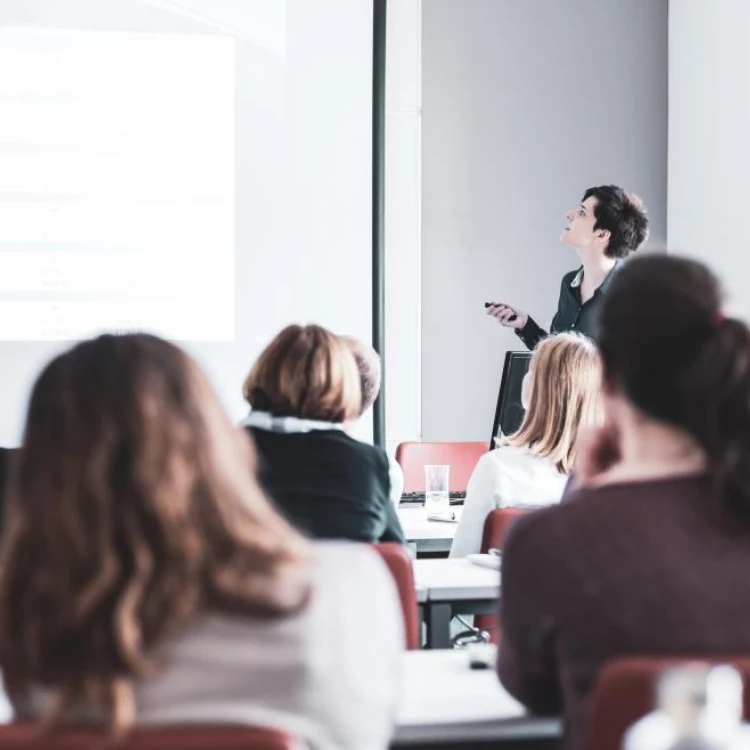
column 417, row 498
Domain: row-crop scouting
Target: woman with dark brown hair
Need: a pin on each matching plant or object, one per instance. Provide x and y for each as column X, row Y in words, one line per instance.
column 146, row 578
column 303, row 391
column 650, row 554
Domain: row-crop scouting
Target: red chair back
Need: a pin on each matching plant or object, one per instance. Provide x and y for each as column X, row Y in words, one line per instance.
column 178, row 737
column 625, row 692
column 462, row 458
column 398, row 560
column 496, row 527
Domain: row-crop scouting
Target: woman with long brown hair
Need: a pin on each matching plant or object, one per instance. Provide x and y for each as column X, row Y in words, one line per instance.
column 146, row 578
column 562, row 397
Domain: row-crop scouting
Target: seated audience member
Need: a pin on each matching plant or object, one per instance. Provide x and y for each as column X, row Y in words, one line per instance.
column 302, row 392
column 651, row 554
column 148, row 580
column 368, row 364
column 562, row 397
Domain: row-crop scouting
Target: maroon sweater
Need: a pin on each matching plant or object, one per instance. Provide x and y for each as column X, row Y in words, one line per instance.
column 650, row 568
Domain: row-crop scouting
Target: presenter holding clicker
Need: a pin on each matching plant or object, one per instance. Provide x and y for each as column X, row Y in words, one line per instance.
column 608, row 225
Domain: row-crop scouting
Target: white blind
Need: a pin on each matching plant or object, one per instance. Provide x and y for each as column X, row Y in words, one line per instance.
column 116, row 184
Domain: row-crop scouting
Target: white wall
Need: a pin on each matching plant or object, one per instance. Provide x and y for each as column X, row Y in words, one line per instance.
column 303, row 120
column 709, row 138
column 525, row 105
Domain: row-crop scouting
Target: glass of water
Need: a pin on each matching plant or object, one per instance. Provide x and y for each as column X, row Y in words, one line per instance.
column 436, row 481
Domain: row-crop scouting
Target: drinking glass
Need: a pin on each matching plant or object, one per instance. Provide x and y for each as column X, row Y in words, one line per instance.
column 436, row 495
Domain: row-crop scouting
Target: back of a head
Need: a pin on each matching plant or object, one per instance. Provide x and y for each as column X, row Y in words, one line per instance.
column 623, row 215
column 668, row 347
column 306, row 372
column 133, row 507
column 565, row 398
column 369, row 366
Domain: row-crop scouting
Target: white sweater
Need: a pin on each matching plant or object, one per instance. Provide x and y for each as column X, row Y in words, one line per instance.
column 329, row 675
column 508, row 476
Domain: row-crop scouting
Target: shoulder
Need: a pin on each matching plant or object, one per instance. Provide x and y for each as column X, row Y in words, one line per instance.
column 507, row 457
column 509, row 454
column 349, row 582
column 546, row 536
column 350, row 444
column 557, row 532
column 502, row 454
column 342, row 559
column 498, row 462
column 352, row 583
column 354, row 565
column 260, row 438
column 360, row 451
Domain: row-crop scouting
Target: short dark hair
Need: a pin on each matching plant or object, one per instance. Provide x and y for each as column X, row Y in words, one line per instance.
column 623, row 215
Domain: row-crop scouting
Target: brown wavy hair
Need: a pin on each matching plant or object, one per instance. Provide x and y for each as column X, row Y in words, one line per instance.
column 306, row 372
column 566, row 399
column 134, row 507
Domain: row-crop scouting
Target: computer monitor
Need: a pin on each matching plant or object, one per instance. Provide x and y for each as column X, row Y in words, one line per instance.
column 509, row 410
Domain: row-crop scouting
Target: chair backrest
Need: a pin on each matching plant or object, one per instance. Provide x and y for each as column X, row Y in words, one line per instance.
column 625, row 692
column 496, row 527
column 462, row 458
column 182, row 737
column 497, row 524
column 398, row 560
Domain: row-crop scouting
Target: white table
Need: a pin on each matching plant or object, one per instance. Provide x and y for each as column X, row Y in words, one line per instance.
column 426, row 535
column 452, row 587
column 444, row 701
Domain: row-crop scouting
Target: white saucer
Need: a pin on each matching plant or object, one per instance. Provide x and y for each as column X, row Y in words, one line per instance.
column 486, row 561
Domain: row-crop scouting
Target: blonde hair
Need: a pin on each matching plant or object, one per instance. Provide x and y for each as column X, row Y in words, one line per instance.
column 306, row 372
column 133, row 508
column 566, row 398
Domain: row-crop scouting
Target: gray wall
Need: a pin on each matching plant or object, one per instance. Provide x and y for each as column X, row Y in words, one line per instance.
column 525, row 104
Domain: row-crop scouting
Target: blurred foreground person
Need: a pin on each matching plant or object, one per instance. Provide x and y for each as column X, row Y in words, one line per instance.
column 147, row 579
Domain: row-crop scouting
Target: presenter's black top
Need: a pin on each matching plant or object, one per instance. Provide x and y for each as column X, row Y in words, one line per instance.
column 328, row 484
column 571, row 315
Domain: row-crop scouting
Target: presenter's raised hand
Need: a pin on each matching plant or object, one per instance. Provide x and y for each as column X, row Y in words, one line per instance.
column 506, row 315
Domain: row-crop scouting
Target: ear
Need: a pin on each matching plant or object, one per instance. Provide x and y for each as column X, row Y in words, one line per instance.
column 609, row 386
column 603, row 235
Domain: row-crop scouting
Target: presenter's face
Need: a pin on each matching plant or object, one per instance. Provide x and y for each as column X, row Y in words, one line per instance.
column 579, row 229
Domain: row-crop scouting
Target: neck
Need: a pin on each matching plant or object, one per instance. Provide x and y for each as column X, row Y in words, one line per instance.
column 652, row 450
column 596, row 267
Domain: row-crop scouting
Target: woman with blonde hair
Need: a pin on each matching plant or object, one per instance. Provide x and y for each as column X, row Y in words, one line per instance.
column 562, row 397
column 303, row 392
column 147, row 579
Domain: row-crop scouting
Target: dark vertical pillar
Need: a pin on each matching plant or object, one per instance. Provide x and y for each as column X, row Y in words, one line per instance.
column 378, row 207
